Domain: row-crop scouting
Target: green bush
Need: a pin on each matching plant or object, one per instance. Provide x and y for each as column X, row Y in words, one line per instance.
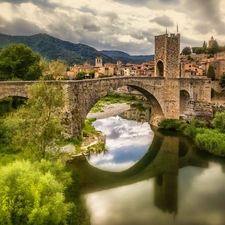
column 170, row 124
column 211, row 141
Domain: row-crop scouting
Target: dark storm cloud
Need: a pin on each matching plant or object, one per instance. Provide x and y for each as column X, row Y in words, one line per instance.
column 164, row 21
column 203, row 28
column 169, row 1
column 132, row 2
column 15, row 1
column 206, row 12
column 186, row 41
column 40, row 3
column 19, row 27
column 147, row 2
column 87, row 9
column 91, row 27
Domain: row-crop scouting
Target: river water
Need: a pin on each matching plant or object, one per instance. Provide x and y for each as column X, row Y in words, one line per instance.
column 148, row 176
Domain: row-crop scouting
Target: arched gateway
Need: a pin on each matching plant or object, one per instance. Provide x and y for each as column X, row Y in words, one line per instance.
column 167, row 91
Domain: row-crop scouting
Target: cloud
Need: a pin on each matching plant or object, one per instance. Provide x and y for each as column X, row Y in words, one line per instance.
column 126, row 25
column 20, row 27
column 41, row 3
column 132, row 2
column 206, row 12
column 164, row 21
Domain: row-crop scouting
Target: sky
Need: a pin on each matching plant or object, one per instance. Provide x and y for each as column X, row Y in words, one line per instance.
column 124, row 25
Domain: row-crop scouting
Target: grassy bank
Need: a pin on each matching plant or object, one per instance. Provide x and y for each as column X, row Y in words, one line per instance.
column 209, row 139
column 113, row 98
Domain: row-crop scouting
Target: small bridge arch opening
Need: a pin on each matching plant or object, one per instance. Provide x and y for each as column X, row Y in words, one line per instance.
column 8, row 103
column 184, row 99
column 160, row 69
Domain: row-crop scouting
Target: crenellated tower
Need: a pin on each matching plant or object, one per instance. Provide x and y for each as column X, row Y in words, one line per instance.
column 167, row 55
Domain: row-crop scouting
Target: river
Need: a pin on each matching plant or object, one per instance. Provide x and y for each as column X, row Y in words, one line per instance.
column 148, row 176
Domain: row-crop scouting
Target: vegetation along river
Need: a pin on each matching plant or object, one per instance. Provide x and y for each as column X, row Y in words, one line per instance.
column 149, row 176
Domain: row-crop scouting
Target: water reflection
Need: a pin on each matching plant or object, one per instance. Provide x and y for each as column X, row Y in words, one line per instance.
column 201, row 201
column 172, row 183
column 164, row 194
column 127, row 141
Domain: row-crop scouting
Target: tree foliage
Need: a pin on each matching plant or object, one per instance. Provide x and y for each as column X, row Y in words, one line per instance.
column 36, row 125
column 19, row 62
column 214, row 48
column 186, row 51
column 34, row 193
column 211, row 73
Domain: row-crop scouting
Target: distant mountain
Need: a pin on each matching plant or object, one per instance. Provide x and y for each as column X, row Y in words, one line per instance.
column 126, row 58
column 53, row 48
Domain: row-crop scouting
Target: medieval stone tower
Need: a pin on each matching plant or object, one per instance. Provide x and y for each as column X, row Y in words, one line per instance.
column 167, row 49
column 98, row 62
column 167, row 64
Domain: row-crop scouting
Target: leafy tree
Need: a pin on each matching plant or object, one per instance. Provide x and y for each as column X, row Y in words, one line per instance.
column 222, row 81
column 34, row 193
column 199, row 50
column 57, row 69
column 186, row 51
column 80, row 75
column 190, row 58
column 37, row 124
column 211, row 73
column 92, row 74
column 44, row 65
column 19, row 62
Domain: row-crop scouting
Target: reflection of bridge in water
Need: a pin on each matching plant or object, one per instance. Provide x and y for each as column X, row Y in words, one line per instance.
column 165, row 156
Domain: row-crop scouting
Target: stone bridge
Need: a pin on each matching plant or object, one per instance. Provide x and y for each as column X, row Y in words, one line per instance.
column 170, row 94
column 169, row 98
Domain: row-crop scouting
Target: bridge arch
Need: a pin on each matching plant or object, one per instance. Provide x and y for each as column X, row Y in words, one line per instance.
column 156, row 107
column 83, row 95
column 149, row 92
column 184, row 99
column 5, row 95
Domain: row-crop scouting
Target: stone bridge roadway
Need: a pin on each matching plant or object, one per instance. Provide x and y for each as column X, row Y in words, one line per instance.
column 163, row 94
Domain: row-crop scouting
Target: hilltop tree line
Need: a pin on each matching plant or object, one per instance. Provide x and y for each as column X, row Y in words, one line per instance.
column 204, row 49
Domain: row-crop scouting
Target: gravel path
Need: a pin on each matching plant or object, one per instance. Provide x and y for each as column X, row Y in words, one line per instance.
column 110, row 110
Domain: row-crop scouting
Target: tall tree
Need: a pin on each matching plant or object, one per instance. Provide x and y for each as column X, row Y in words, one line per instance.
column 211, row 73
column 19, row 62
column 204, row 46
column 37, row 124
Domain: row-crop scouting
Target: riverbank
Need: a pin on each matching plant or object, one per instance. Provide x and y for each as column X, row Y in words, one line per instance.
column 109, row 110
